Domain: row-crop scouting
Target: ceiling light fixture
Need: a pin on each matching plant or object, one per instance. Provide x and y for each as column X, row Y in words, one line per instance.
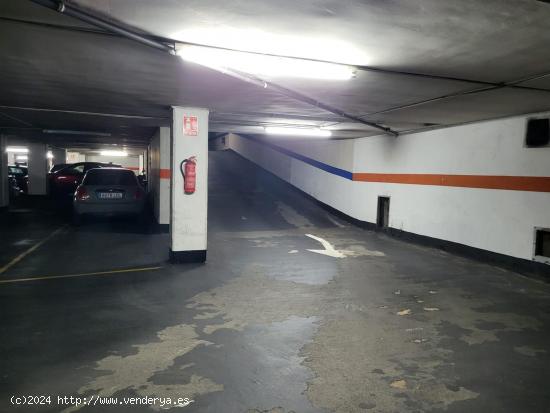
column 266, row 65
column 13, row 149
column 113, row 153
column 21, row 157
column 322, row 133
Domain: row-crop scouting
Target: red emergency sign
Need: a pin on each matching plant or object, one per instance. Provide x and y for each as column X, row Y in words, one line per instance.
column 190, row 125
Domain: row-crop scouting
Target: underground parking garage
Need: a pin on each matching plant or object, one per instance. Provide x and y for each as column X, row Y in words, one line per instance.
column 274, row 207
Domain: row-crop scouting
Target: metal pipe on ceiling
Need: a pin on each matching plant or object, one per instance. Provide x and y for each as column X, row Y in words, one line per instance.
column 292, row 94
column 86, row 17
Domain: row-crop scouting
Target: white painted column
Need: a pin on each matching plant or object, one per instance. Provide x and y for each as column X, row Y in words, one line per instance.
column 4, row 193
column 38, row 168
column 188, row 218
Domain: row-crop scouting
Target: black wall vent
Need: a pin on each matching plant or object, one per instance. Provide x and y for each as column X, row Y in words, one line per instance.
column 383, row 214
column 538, row 133
column 542, row 243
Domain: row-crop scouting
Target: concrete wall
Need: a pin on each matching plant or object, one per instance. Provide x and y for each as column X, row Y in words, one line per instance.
column 488, row 153
column 74, row 157
column 130, row 162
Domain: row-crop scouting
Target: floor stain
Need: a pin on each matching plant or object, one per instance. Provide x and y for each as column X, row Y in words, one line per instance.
column 292, row 216
column 135, row 371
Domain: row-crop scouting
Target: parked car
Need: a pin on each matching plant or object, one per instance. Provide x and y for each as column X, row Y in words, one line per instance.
column 108, row 191
column 20, row 177
column 64, row 181
column 58, row 166
column 13, row 189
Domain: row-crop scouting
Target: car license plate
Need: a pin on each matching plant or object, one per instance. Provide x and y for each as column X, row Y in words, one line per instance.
column 110, row 195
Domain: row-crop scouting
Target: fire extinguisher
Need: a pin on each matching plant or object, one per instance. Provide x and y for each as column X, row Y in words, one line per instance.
column 189, row 174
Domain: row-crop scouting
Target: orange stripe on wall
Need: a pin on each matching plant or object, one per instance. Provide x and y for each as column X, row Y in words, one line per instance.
column 165, row 173
column 512, row 183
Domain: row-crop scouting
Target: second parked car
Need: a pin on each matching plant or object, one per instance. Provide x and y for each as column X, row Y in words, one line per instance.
column 63, row 182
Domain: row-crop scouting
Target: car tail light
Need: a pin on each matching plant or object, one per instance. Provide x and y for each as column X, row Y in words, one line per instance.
column 82, row 194
column 137, row 194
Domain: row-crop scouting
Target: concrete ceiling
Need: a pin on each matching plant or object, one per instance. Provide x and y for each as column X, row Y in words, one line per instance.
column 489, row 60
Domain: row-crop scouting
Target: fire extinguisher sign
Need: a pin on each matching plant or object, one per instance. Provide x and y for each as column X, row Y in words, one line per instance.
column 190, row 125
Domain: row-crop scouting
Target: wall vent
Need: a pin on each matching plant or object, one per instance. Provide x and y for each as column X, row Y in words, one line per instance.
column 383, row 215
column 538, row 133
column 542, row 244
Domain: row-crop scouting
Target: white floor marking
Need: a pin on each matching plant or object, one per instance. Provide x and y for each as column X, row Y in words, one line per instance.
column 328, row 248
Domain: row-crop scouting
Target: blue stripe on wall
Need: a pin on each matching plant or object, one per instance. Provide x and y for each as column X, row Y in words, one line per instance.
column 320, row 165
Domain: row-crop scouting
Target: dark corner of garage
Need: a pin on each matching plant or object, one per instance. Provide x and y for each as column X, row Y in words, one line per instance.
column 274, row 206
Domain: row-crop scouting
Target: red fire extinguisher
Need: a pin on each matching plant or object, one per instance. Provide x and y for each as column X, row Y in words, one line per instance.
column 189, row 174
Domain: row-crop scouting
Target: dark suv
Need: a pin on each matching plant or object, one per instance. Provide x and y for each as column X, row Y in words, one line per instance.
column 63, row 182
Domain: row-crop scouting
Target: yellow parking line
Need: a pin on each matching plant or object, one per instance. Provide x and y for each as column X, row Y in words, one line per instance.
column 51, row 277
column 31, row 249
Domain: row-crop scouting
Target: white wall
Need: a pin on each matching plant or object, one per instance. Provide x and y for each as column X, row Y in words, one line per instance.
column 496, row 220
column 74, row 157
column 130, row 162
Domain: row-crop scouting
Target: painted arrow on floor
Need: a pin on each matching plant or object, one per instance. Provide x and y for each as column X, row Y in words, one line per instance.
column 328, row 248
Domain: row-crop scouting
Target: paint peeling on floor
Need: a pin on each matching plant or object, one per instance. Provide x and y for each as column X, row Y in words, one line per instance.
column 529, row 351
column 273, row 410
column 134, row 372
column 365, row 364
column 399, row 384
column 254, row 299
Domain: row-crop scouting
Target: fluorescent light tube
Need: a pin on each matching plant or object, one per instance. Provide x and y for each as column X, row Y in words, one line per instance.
column 270, row 66
column 13, row 149
column 298, row 131
column 113, row 153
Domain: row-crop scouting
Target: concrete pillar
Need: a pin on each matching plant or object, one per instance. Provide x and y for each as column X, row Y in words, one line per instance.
column 188, row 218
column 38, row 168
column 140, row 164
column 158, row 175
column 4, row 193
column 59, row 155
column 164, row 175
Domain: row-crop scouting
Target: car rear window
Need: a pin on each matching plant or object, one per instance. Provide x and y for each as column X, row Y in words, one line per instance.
column 14, row 170
column 110, row 177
